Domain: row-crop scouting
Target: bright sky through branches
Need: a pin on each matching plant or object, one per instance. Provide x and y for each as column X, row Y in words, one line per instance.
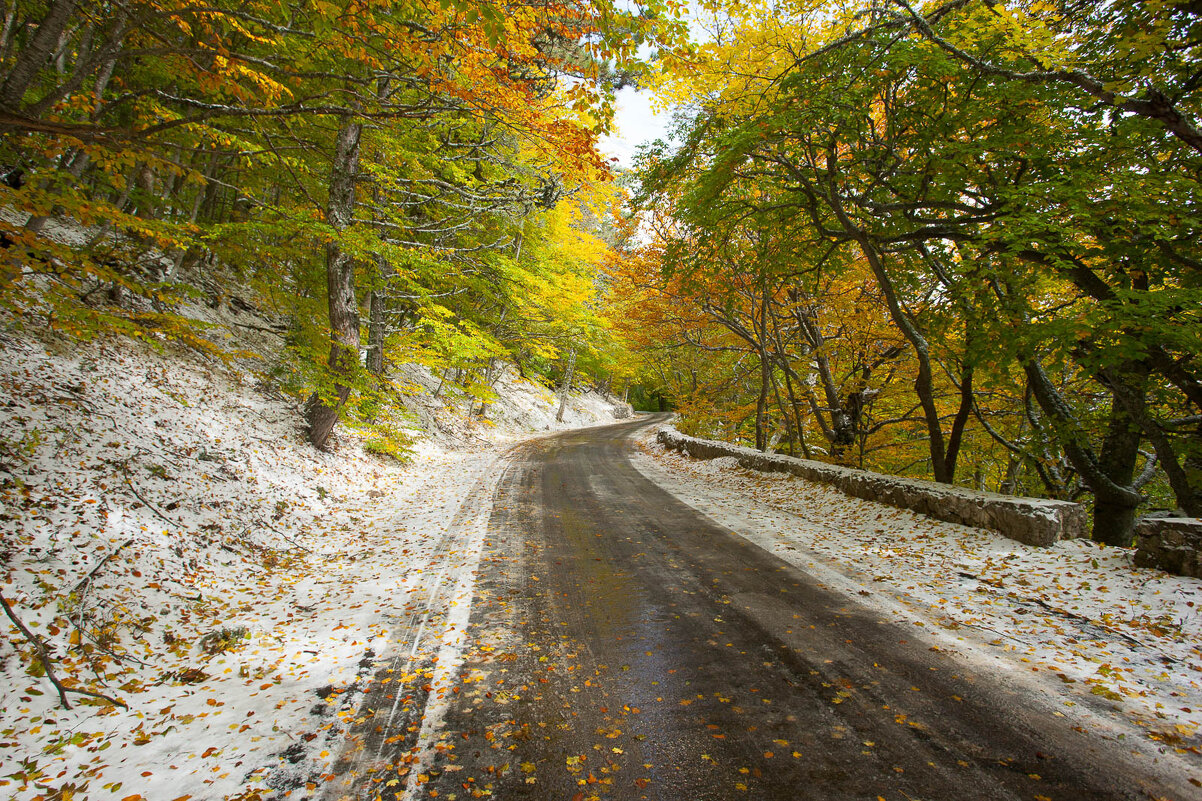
column 636, row 124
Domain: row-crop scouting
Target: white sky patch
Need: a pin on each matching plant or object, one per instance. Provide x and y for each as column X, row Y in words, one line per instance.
column 637, row 124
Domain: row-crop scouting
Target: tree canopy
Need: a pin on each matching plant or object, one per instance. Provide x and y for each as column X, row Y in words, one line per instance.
column 413, row 181
column 1007, row 195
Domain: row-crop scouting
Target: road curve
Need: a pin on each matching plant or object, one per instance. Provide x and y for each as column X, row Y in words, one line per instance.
column 623, row 646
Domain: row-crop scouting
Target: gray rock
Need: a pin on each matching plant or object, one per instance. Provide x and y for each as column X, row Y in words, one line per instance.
column 1033, row 521
column 1170, row 543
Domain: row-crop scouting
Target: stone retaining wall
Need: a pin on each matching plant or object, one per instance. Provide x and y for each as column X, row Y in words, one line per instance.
column 1029, row 520
column 1170, row 543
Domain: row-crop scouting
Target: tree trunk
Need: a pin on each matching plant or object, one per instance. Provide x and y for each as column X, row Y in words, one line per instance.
column 490, row 375
column 1114, row 519
column 377, row 322
column 377, row 319
column 1105, row 490
column 786, row 415
column 35, row 55
column 793, row 413
column 322, row 409
column 761, row 404
column 1183, row 474
column 841, row 431
column 79, row 162
column 924, row 385
column 760, row 330
column 956, row 437
column 567, row 385
column 376, row 311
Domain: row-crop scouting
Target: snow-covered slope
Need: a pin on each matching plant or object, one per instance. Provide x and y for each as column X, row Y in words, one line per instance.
column 175, row 544
column 522, row 407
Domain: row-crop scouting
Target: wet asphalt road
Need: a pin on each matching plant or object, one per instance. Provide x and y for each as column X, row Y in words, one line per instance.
column 623, row 646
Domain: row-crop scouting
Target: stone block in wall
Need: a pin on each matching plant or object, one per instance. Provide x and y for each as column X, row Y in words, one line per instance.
column 1170, row 543
column 1033, row 521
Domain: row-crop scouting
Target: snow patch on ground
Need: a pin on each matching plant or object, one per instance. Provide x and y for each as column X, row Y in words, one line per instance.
column 1099, row 634
column 167, row 531
column 521, row 406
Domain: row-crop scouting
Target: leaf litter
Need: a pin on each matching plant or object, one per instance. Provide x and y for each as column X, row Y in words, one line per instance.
column 176, row 545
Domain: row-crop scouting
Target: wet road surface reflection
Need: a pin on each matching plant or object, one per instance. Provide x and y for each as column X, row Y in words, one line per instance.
column 622, row 646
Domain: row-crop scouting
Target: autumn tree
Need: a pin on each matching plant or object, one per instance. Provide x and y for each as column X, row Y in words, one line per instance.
column 1021, row 184
column 301, row 153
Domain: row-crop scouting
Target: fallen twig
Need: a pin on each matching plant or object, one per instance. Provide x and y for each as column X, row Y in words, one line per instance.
column 99, row 565
column 295, row 544
column 1014, row 596
column 48, row 663
column 138, row 495
column 278, row 333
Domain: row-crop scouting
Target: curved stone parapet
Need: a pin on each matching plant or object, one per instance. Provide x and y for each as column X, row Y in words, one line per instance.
column 1033, row 521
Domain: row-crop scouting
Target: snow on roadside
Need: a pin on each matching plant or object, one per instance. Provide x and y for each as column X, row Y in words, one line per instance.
column 167, row 531
column 1114, row 637
column 521, row 406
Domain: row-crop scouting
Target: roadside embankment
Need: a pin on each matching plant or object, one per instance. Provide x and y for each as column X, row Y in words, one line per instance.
column 1033, row 521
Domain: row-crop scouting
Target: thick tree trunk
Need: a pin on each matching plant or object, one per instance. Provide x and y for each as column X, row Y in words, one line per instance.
column 36, row 54
column 1114, row 520
column 1184, row 474
column 1105, row 490
column 322, row 409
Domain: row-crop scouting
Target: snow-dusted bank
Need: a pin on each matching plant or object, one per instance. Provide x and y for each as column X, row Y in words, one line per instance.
column 1035, row 521
column 177, row 546
column 1108, row 643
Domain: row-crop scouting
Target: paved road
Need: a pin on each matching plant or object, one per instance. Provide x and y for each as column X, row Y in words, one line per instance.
column 623, row 646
